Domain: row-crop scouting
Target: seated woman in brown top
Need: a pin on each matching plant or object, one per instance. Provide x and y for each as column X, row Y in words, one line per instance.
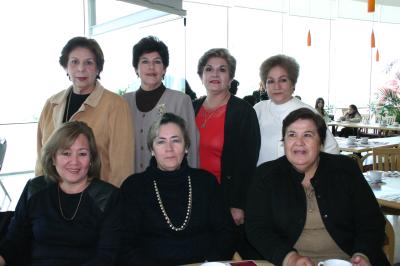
column 309, row 206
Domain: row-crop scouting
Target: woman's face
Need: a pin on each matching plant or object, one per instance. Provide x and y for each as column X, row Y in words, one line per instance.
column 82, row 70
column 151, row 70
column 169, row 147
column 215, row 76
column 279, row 86
column 73, row 164
column 302, row 145
column 320, row 104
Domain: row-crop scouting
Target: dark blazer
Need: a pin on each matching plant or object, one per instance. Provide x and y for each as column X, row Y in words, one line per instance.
column 240, row 150
column 276, row 210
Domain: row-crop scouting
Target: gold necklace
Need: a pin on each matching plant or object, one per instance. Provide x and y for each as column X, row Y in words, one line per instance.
column 61, row 210
column 206, row 118
column 68, row 103
column 188, row 212
column 309, row 190
column 219, row 105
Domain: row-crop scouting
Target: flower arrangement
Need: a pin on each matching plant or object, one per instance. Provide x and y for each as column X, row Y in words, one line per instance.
column 389, row 100
column 389, row 94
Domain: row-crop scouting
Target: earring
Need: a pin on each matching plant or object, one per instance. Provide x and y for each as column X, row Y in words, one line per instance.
column 152, row 153
column 186, row 151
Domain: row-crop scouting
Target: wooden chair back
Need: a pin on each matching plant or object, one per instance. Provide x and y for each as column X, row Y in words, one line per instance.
column 388, row 246
column 386, row 159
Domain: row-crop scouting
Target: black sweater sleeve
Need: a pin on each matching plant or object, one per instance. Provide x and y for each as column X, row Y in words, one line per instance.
column 19, row 233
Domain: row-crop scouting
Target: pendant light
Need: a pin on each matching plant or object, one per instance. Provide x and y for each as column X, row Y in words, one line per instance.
column 309, row 38
column 372, row 39
column 371, row 5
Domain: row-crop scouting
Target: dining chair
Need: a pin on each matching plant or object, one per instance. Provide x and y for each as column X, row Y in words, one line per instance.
column 386, row 159
column 3, row 148
column 389, row 244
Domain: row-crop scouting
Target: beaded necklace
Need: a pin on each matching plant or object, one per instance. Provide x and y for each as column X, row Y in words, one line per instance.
column 188, row 212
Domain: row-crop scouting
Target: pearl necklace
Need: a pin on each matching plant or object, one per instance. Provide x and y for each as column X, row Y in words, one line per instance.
column 167, row 219
column 61, row 210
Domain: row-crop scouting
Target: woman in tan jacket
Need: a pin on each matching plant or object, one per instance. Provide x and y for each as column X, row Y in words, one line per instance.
column 87, row 100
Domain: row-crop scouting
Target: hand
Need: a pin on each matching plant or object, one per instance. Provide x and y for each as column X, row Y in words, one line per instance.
column 297, row 260
column 358, row 260
column 237, row 215
column 2, row 261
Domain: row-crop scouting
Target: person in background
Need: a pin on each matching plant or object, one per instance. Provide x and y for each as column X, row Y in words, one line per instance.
column 319, row 106
column 309, row 206
column 352, row 115
column 229, row 137
column 150, row 60
column 279, row 73
column 173, row 214
column 189, row 91
column 250, row 99
column 234, row 86
column 260, row 94
column 68, row 216
column 87, row 100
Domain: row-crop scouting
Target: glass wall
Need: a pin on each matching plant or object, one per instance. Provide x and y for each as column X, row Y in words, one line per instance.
column 339, row 65
column 32, row 39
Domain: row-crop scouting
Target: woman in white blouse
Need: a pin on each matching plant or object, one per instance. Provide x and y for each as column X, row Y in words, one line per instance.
column 279, row 74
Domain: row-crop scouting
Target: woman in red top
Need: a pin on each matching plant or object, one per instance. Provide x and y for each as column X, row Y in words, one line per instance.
column 229, row 136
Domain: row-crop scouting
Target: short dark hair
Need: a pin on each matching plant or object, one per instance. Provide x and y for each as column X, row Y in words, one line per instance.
column 286, row 62
column 305, row 114
column 63, row 138
column 167, row 118
column 147, row 45
column 83, row 42
column 220, row 53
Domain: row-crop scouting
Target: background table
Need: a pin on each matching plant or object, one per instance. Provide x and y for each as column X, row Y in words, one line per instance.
column 376, row 126
column 372, row 143
column 388, row 192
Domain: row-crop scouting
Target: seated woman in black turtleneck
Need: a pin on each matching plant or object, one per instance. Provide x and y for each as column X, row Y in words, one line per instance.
column 173, row 214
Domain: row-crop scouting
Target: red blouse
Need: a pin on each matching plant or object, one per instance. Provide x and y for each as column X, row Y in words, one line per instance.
column 211, row 127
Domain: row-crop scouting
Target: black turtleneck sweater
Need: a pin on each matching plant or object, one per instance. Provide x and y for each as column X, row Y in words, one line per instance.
column 147, row 238
column 147, row 100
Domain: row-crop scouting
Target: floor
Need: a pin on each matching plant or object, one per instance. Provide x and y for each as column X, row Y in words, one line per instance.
column 16, row 183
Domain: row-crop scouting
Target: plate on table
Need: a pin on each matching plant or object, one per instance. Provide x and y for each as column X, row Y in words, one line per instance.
column 369, row 180
column 391, row 174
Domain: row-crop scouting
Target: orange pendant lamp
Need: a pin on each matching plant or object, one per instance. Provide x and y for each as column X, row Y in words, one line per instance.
column 371, row 5
column 377, row 55
column 372, row 39
column 309, row 38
